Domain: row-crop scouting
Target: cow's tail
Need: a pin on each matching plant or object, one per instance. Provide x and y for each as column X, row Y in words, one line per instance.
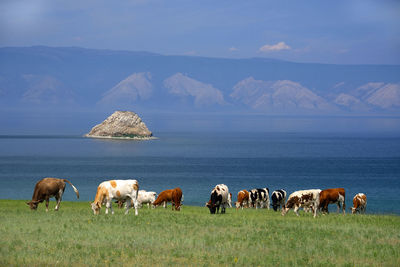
column 76, row 190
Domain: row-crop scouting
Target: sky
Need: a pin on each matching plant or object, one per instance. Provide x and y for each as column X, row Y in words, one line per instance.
column 335, row 32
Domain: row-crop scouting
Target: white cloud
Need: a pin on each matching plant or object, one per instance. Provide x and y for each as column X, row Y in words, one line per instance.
column 276, row 47
column 233, row 49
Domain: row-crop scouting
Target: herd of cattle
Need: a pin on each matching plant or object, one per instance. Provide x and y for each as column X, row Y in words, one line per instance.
column 127, row 191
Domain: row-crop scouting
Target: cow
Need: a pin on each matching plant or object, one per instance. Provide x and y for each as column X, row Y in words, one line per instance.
column 359, row 203
column 218, row 198
column 278, row 198
column 144, row 197
column 171, row 195
column 259, row 197
column 242, row 199
column 47, row 188
column 302, row 198
column 331, row 196
column 121, row 190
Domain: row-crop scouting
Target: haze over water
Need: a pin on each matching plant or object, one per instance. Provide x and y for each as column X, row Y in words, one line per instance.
column 196, row 162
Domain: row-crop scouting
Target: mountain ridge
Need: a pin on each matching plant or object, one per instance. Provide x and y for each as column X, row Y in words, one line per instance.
column 83, row 77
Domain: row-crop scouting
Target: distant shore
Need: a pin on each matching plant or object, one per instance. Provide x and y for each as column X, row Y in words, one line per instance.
column 122, row 137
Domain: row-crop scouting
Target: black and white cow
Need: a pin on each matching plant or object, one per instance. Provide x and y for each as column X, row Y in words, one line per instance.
column 278, row 198
column 219, row 197
column 259, row 197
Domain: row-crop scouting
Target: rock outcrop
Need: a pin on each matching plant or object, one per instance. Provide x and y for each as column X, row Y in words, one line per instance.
column 121, row 124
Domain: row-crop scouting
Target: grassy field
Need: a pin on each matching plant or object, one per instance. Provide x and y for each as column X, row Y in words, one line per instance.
column 192, row 237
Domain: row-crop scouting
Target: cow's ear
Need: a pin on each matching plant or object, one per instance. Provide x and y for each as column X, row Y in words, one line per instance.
column 28, row 203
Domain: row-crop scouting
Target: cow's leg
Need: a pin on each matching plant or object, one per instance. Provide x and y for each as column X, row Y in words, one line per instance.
column 296, row 208
column 165, row 204
column 109, row 206
column 135, row 204
column 58, row 199
column 315, row 210
column 148, row 205
column 127, row 206
column 344, row 207
column 47, row 204
column 268, row 204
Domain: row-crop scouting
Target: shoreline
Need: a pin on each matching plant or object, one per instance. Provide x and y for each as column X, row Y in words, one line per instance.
column 121, row 138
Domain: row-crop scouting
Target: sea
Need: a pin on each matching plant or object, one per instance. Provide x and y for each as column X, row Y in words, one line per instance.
column 196, row 162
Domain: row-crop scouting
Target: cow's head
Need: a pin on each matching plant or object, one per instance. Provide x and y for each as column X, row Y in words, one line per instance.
column 33, row 204
column 237, row 204
column 178, row 207
column 353, row 210
column 275, row 206
column 96, row 207
column 212, row 208
column 215, row 201
column 284, row 210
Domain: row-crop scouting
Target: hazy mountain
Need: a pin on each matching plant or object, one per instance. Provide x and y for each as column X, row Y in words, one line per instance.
column 201, row 93
column 32, row 77
column 134, row 88
column 350, row 103
column 45, row 90
column 278, row 96
column 386, row 97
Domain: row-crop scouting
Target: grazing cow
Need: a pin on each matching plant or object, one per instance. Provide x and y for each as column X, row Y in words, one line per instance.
column 330, row 196
column 259, row 197
column 302, row 198
column 359, row 203
column 121, row 190
column 144, row 197
column 242, row 199
column 171, row 195
column 219, row 197
column 47, row 188
column 278, row 198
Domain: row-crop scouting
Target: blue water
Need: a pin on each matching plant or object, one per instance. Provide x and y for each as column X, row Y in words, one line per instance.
column 196, row 162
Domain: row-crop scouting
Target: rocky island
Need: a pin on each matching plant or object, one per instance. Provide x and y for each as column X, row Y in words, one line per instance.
column 122, row 125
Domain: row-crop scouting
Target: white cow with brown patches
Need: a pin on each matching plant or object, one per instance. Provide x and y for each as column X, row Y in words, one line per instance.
column 302, row 199
column 119, row 190
column 359, row 203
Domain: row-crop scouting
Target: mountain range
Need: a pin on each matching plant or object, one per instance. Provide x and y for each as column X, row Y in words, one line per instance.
column 72, row 77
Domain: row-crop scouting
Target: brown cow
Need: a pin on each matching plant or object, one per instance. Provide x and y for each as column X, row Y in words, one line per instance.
column 171, row 195
column 359, row 203
column 331, row 196
column 242, row 199
column 47, row 188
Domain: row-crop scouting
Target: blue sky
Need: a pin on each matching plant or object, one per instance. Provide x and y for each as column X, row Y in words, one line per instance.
column 338, row 32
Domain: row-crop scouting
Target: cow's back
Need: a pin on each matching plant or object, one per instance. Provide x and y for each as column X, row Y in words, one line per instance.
column 304, row 196
column 164, row 196
column 122, row 188
column 223, row 191
column 332, row 193
column 47, row 187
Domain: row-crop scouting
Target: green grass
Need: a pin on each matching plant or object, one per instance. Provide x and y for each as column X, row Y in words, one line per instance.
column 192, row 237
